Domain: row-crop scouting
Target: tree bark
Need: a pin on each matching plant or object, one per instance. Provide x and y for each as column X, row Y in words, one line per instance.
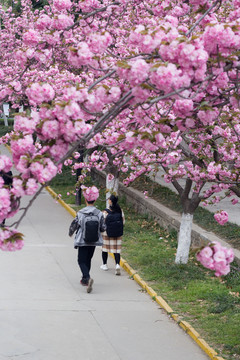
column 4, row 116
column 111, row 186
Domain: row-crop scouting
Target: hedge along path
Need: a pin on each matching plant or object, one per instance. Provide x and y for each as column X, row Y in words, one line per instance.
column 159, row 300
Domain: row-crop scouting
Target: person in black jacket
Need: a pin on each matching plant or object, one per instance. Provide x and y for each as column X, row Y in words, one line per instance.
column 112, row 237
column 88, row 225
column 8, row 179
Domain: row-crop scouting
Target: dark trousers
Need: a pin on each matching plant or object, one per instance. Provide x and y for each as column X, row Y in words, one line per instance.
column 85, row 254
column 105, row 257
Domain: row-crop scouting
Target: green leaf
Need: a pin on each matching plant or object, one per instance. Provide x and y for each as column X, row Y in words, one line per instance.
column 123, row 65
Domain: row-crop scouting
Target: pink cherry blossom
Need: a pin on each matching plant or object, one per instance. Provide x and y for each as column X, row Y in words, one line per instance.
column 31, row 37
column 40, row 93
column 62, row 22
column 43, row 22
column 138, row 72
column 24, row 124
column 10, row 240
column 183, row 108
column 221, row 217
column 31, row 187
column 82, row 55
column 5, row 163
column 62, row 4
column 90, row 193
column 5, row 203
column 50, row 129
column 17, row 187
column 216, row 257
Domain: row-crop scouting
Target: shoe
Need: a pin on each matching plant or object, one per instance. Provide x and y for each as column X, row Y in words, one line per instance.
column 90, row 284
column 83, row 283
column 118, row 272
column 104, row 267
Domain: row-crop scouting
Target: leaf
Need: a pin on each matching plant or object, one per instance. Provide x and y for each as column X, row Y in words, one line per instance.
column 71, row 48
column 146, row 86
column 123, row 65
column 144, row 32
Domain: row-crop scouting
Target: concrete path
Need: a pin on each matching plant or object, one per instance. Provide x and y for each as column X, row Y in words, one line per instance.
column 46, row 314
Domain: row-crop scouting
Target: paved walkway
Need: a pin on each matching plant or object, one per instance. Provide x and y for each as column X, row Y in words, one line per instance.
column 45, row 313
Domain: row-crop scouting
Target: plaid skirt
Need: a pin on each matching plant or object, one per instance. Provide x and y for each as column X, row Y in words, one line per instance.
column 112, row 245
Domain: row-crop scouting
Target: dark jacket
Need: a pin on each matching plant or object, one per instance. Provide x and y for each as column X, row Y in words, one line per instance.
column 7, row 177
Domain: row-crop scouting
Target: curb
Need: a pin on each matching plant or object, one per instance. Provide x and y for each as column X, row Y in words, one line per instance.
column 155, row 297
column 56, row 197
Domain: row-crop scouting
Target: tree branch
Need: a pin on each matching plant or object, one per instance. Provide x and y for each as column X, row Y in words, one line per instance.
column 96, row 11
column 100, row 79
column 203, row 16
column 100, row 125
column 17, row 223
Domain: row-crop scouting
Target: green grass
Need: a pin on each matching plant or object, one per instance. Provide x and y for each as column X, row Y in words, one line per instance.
column 202, row 217
column 211, row 305
column 5, row 129
column 64, row 184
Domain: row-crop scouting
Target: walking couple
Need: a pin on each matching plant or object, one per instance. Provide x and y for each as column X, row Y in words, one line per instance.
column 96, row 228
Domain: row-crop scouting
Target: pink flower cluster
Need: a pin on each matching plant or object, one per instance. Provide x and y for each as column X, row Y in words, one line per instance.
column 10, row 240
column 81, row 56
column 183, row 108
column 216, row 257
column 5, row 203
column 38, row 93
column 98, row 43
column 90, row 193
column 24, row 124
column 5, row 163
column 62, row 21
column 221, row 217
column 43, row 22
column 20, row 188
column 139, row 72
column 62, row 4
column 31, row 37
column 43, row 171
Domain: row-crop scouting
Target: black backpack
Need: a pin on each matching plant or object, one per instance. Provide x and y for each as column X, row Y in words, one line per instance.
column 90, row 225
column 114, row 223
column 7, row 177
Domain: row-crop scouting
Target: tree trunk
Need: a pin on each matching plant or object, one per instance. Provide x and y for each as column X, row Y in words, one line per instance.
column 112, row 185
column 3, row 108
column 184, row 239
column 78, row 197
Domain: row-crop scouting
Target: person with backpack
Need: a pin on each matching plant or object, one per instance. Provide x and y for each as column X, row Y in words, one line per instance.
column 112, row 237
column 88, row 224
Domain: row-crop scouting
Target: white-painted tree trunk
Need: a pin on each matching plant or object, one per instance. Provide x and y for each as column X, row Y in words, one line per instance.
column 5, row 112
column 112, row 185
column 5, row 119
column 184, row 239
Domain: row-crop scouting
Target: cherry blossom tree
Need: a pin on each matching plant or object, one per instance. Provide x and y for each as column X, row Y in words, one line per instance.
column 197, row 161
column 200, row 167
column 147, row 78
